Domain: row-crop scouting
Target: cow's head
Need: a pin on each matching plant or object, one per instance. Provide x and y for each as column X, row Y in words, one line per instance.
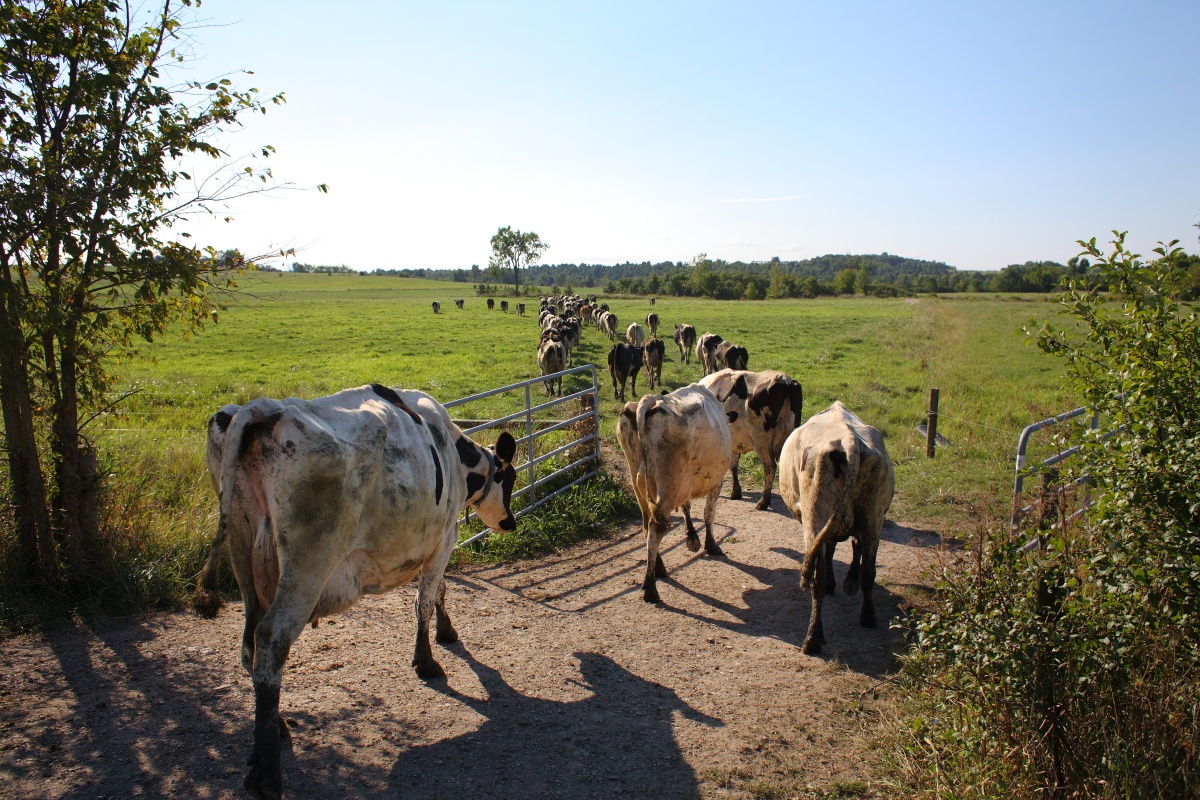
column 493, row 504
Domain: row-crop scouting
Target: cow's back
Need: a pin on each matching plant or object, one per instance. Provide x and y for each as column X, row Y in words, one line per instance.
column 685, row 445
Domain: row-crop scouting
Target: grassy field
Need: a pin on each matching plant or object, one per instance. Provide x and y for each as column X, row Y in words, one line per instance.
column 309, row 335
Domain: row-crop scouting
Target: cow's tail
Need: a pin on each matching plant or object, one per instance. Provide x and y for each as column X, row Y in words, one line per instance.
column 840, row 509
column 207, row 599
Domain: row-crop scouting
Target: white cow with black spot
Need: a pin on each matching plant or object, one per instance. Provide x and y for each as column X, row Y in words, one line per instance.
column 326, row 500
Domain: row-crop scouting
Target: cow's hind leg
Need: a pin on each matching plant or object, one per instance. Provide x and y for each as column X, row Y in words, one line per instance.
column 710, row 514
column 870, row 549
column 693, row 536
column 432, row 575
column 827, row 556
column 445, row 629
column 654, row 532
column 736, row 492
column 850, row 585
column 816, row 631
column 768, row 465
column 273, row 639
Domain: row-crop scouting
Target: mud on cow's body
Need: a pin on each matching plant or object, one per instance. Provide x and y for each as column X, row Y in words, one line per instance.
column 837, row 479
column 326, row 500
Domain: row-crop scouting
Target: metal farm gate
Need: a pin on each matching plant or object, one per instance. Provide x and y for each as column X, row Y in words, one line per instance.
column 585, row 425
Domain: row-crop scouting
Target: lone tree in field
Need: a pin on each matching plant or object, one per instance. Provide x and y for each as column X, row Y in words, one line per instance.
column 513, row 250
column 92, row 183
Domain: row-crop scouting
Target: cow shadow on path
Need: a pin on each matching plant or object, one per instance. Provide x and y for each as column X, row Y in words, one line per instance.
column 615, row 742
column 778, row 609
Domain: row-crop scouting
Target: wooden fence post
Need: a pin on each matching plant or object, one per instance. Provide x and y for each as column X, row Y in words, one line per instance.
column 931, row 424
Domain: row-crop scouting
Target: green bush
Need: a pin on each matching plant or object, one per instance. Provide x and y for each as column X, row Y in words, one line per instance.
column 1073, row 669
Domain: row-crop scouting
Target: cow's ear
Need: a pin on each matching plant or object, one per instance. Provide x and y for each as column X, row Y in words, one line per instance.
column 506, row 447
column 732, row 415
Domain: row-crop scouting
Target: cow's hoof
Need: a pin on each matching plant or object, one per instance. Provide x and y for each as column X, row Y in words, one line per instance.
column 651, row 595
column 429, row 670
column 830, row 588
column 868, row 620
column 736, row 494
column 850, row 585
column 811, row 647
column 693, row 543
column 764, row 504
column 715, row 551
column 446, row 635
column 263, row 786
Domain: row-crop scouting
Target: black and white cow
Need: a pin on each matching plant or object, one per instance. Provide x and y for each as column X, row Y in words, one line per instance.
column 491, row 304
column 552, row 358
column 624, row 361
column 652, row 323
column 323, row 501
column 706, row 347
column 520, row 309
column 728, row 355
column 436, row 306
column 504, row 306
column 685, row 337
column 458, row 304
column 837, row 479
column 653, row 354
column 768, row 405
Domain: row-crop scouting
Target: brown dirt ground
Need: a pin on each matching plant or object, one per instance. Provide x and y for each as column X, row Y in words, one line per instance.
column 564, row 685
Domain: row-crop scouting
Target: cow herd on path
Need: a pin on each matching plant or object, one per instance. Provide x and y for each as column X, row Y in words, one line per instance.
column 323, row 501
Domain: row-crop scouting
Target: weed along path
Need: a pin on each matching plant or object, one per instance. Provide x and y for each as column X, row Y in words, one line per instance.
column 564, row 685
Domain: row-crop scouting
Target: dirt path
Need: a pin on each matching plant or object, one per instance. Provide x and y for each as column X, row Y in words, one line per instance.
column 565, row 685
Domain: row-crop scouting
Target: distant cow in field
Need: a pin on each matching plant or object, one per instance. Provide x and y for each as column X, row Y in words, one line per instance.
column 730, row 356
column 677, row 448
column 491, row 304
column 652, row 323
column 651, row 301
column 608, row 324
column 520, row 309
column 685, row 337
column 768, row 405
column 504, row 306
column 436, row 306
column 635, row 334
column 458, row 304
column 624, row 362
column 653, row 354
column 706, row 347
column 552, row 357
column 326, row 500
column 837, row 480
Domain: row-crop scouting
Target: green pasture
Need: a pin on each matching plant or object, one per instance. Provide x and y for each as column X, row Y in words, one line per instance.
column 286, row 334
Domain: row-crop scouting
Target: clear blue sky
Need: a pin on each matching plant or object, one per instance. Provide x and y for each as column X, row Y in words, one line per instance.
column 979, row 134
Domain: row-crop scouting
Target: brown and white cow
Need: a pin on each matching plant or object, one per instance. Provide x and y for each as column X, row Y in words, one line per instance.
column 706, row 347
column 608, row 324
column 652, row 323
column 685, row 337
column 677, row 448
column 653, row 354
column 552, row 357
column 624, row 361
column 635, row 334
column 768, row 405
column 837, row 479
column 326, row 500
column 728, row 355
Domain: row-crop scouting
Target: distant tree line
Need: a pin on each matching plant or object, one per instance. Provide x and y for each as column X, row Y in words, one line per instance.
column 881, row 275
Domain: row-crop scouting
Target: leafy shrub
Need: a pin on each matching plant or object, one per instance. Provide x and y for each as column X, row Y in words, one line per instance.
column 1073, row 669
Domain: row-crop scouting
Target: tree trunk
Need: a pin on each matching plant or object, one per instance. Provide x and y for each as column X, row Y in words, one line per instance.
column 516, row 280
column 30, row 510
column 75, row 504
